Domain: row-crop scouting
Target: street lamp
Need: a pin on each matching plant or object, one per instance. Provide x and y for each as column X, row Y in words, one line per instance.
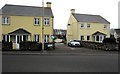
column 43, row 25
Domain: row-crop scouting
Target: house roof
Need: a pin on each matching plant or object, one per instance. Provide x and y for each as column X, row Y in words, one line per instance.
column 90, row 18
column 19, row 31
column 98, row 33
column 26, row 10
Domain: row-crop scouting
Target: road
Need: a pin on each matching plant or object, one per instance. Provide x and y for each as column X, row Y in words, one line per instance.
column 63, row 59
column 59, row 63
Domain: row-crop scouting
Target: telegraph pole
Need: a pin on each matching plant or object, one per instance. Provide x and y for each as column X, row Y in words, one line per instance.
column 42, row 25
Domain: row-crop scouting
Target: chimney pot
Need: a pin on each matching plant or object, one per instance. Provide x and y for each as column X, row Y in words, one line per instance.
column 72, row 10
column 49, row 4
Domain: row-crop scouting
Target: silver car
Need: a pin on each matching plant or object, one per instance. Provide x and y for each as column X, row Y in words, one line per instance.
column 75, row 43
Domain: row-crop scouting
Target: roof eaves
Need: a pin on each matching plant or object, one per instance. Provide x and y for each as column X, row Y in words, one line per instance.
column 75, row 17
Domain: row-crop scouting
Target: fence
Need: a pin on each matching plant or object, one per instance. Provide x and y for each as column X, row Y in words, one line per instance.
column 100, row 46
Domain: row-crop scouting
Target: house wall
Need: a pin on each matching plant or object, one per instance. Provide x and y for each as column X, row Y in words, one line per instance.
column 27, row 23
column 71, row 29
column 74, row 31
column 94, row 27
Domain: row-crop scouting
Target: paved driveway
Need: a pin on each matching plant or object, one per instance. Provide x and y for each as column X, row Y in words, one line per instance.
column 60, row 47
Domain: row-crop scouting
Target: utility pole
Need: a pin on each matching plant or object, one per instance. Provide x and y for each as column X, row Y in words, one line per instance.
column 42, row 25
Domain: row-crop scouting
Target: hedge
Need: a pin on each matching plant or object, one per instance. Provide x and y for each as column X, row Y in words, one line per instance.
column 29, row 45
column 6, row 45
column 100, row 46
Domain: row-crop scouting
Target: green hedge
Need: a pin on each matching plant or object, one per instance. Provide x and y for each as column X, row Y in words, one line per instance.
column 29, row 45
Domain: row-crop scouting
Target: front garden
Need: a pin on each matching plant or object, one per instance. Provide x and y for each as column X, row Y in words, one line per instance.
column 27, row 46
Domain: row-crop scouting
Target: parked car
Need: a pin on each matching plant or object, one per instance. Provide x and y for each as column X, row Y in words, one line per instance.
column 75, row 43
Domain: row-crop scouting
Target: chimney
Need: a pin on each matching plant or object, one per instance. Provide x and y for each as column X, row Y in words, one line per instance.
column 72, row 10
column 49, row 4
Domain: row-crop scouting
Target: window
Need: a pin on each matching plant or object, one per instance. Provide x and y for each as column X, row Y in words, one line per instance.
column 36, row 38
column 36, row 21
column 88, row 25
column 46, row 21
column 5, row 20
column 105, row 26
column 6, row 38
column 46, row 39
column 82, row 37
column 68, row 24
column 88, row 38
column 82, row 26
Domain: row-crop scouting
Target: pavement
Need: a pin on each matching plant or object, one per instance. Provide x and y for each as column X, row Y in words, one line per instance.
column 62, row 49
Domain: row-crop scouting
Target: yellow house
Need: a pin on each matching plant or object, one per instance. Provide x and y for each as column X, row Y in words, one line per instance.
column 86, row 27
column 25, row 23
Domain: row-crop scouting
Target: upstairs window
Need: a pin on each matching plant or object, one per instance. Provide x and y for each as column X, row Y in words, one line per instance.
column 88, row 25
column 81, row 25
column 46, row 21
column 105, row 26
column 36, row 21
column 68, row 24
column 5, row 20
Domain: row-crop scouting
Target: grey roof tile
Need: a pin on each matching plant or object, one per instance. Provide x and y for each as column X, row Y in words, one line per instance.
column 20, row 31
column 90, row 18
column 98, row 33
column 26, row 10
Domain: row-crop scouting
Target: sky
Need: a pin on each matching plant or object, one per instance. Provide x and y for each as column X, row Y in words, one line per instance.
column 108, row 9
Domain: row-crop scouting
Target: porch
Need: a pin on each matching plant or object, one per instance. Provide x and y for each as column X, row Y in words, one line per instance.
column 17, row 36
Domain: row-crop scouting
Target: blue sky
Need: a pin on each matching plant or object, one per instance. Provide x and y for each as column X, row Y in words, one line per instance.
column 61, row 9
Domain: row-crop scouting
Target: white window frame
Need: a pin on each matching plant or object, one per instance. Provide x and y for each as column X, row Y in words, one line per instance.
column 46, row 21
column 5, row 20
column 36, row 37
column 36, row 21
column 88, row 25
column 82, row 25
column 46, row 38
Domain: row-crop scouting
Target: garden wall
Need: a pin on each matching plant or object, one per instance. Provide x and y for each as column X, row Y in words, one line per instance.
column 100, row 46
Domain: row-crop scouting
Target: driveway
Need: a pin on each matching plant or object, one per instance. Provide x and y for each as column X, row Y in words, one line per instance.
column 60, row 47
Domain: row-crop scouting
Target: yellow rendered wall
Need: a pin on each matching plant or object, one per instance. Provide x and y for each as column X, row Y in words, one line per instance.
column 94, row 27
column 27, row 23
column 74, row 31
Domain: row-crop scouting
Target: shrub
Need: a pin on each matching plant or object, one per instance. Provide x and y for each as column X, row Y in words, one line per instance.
column 6, row 45
column 29, row 45
column 109, row 40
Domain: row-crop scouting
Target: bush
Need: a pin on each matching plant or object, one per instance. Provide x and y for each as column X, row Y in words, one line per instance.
column 109, row 40
column 29, row 45
column 6, row 45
